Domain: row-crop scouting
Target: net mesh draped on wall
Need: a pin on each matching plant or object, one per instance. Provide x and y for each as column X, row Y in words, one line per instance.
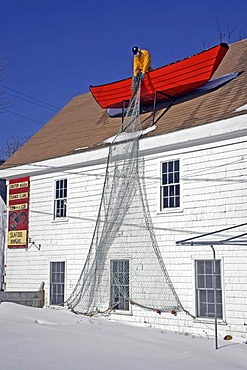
column 124, row 265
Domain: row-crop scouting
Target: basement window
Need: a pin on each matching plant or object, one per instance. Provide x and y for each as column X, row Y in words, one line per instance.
column 120, row 285
column 57, row 278
column 205, row 289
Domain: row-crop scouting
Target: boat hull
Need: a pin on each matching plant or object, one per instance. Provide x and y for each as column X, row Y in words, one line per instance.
column 171, row 81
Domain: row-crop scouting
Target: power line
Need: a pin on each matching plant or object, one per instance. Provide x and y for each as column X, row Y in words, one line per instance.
column 20, row 115
column 29, row 101
column 30, row 97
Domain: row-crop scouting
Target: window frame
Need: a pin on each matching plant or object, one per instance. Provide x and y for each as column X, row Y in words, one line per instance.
column 61, row 283
column 126, row 308
column 63, row 199
column 162, row 186
column 220, row 289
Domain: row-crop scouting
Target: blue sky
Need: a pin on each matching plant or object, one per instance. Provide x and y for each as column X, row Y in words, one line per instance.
column 55, row 49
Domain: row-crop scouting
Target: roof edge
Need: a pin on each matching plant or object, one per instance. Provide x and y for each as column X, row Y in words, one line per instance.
column 226, row 129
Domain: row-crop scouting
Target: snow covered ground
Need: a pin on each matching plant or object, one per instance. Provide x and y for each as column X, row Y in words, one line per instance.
column 35, row 339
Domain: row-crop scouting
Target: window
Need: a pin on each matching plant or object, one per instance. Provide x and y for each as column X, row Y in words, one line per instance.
column 205, row 289
column 57, row 275
column 60, row 203
column 120, row 284
column 170, row 186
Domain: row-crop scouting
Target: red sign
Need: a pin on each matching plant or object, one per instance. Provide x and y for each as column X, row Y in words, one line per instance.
column 18, row 212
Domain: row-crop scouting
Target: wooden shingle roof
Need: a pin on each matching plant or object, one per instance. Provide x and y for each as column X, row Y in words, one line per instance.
column 83, row 124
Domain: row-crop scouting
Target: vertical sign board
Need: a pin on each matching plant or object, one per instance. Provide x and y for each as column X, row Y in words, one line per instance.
column 18, row 212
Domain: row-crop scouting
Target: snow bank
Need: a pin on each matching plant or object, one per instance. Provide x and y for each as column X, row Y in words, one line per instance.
column 34, row 338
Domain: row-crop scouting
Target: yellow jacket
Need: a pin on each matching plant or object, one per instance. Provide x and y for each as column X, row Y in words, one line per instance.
column 142, row 64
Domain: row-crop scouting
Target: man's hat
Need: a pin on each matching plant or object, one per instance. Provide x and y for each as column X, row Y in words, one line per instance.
column 135, row 50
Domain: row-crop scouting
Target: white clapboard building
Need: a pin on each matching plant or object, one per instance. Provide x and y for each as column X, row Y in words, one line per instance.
column 3, row 219
column 194, row 160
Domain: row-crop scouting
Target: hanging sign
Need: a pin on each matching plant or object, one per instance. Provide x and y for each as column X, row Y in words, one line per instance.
column 18, row 212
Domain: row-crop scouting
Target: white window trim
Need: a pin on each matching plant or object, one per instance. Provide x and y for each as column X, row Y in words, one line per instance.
column 159, row 172
column 122, row 312
column 65, row 279
column 206, row 320
column 59, row 219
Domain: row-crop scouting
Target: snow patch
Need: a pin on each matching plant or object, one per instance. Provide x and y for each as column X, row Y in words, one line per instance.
column 84, row 147
column 124, row 136
column 243, row 107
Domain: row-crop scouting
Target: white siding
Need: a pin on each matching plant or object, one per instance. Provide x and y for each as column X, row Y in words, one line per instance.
column 213, row 181
column 214, row 197
column 66, row 240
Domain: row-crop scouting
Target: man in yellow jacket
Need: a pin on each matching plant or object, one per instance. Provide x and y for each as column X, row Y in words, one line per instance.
column 142, row 62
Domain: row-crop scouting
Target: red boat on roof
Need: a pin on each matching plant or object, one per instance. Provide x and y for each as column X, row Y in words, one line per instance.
column 173, row 80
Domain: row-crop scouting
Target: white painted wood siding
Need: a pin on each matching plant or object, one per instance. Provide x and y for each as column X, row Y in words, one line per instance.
column 214, row 193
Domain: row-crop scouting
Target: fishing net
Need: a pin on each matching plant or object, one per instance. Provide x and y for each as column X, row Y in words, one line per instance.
column 124, row 266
